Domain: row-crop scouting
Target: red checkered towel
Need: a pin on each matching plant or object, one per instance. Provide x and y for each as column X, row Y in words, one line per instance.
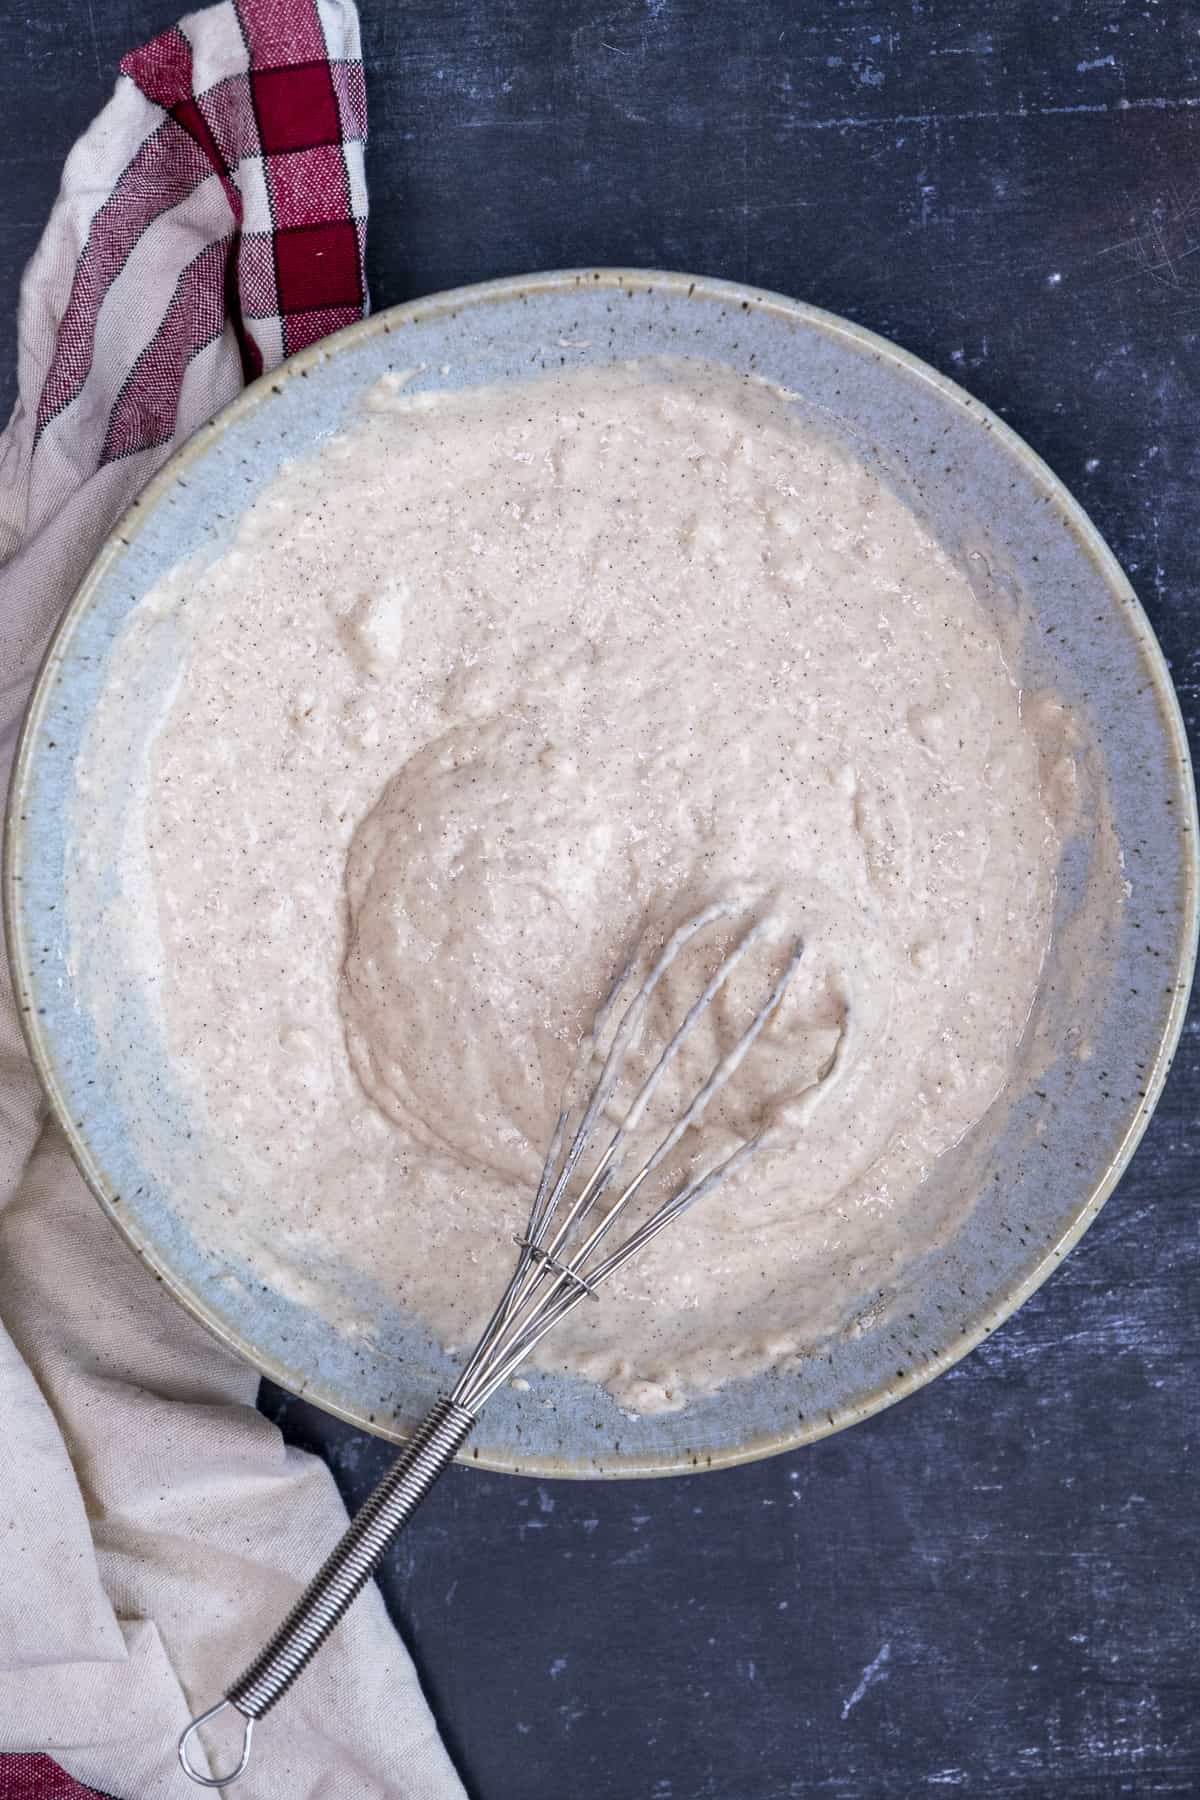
column 154, row 1528
column 37, row 1778
column 218, row 211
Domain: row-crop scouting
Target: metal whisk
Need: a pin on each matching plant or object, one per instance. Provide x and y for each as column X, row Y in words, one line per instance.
column 561, row 1261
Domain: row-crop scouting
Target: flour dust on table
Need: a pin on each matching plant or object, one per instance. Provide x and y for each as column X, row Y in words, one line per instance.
column 486, row 685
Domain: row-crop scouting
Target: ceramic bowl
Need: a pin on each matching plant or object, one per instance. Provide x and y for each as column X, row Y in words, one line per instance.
column 1060, row 1151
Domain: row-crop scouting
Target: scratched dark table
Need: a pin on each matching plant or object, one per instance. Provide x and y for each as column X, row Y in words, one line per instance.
column 991, row 1588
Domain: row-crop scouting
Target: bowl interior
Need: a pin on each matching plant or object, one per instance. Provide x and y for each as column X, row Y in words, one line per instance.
column 1058, row 1153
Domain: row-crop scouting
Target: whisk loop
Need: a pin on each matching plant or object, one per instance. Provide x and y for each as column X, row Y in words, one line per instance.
column 560, row 1263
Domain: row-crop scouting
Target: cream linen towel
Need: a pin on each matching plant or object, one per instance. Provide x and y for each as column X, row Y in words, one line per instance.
column 153, row 1526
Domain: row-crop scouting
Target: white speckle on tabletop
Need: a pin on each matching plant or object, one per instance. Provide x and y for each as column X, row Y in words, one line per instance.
column 875, row 1671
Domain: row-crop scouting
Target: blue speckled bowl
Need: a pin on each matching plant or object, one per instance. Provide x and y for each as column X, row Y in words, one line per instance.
column 1093, row 643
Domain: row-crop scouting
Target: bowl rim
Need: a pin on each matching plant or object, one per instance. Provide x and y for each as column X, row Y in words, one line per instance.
column 260, row 393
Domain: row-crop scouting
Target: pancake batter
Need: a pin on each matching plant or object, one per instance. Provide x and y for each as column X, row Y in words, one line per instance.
column 482, row 687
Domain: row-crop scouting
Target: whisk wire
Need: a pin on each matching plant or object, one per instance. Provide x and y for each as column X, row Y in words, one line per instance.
column 548, row 1283
column 624, row 1037
column 623, row 1040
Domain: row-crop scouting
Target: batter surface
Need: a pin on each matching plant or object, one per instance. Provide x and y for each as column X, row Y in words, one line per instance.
column 481, row 688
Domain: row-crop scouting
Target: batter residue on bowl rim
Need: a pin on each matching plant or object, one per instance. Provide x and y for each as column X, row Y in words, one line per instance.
column 482, row 686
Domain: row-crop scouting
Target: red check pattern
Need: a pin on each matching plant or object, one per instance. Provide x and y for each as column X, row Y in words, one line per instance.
column 255, row 125
column 37, row 1778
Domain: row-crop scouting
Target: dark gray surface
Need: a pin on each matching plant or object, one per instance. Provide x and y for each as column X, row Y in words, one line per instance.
column 991, row 1589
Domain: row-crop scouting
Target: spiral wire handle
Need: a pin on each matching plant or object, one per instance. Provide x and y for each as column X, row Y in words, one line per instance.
column 559, row 1264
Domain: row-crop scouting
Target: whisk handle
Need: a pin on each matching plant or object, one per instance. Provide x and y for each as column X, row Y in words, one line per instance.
column 345, row 1572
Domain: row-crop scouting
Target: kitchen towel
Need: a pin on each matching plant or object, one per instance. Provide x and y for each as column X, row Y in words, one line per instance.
column 153, row 1526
